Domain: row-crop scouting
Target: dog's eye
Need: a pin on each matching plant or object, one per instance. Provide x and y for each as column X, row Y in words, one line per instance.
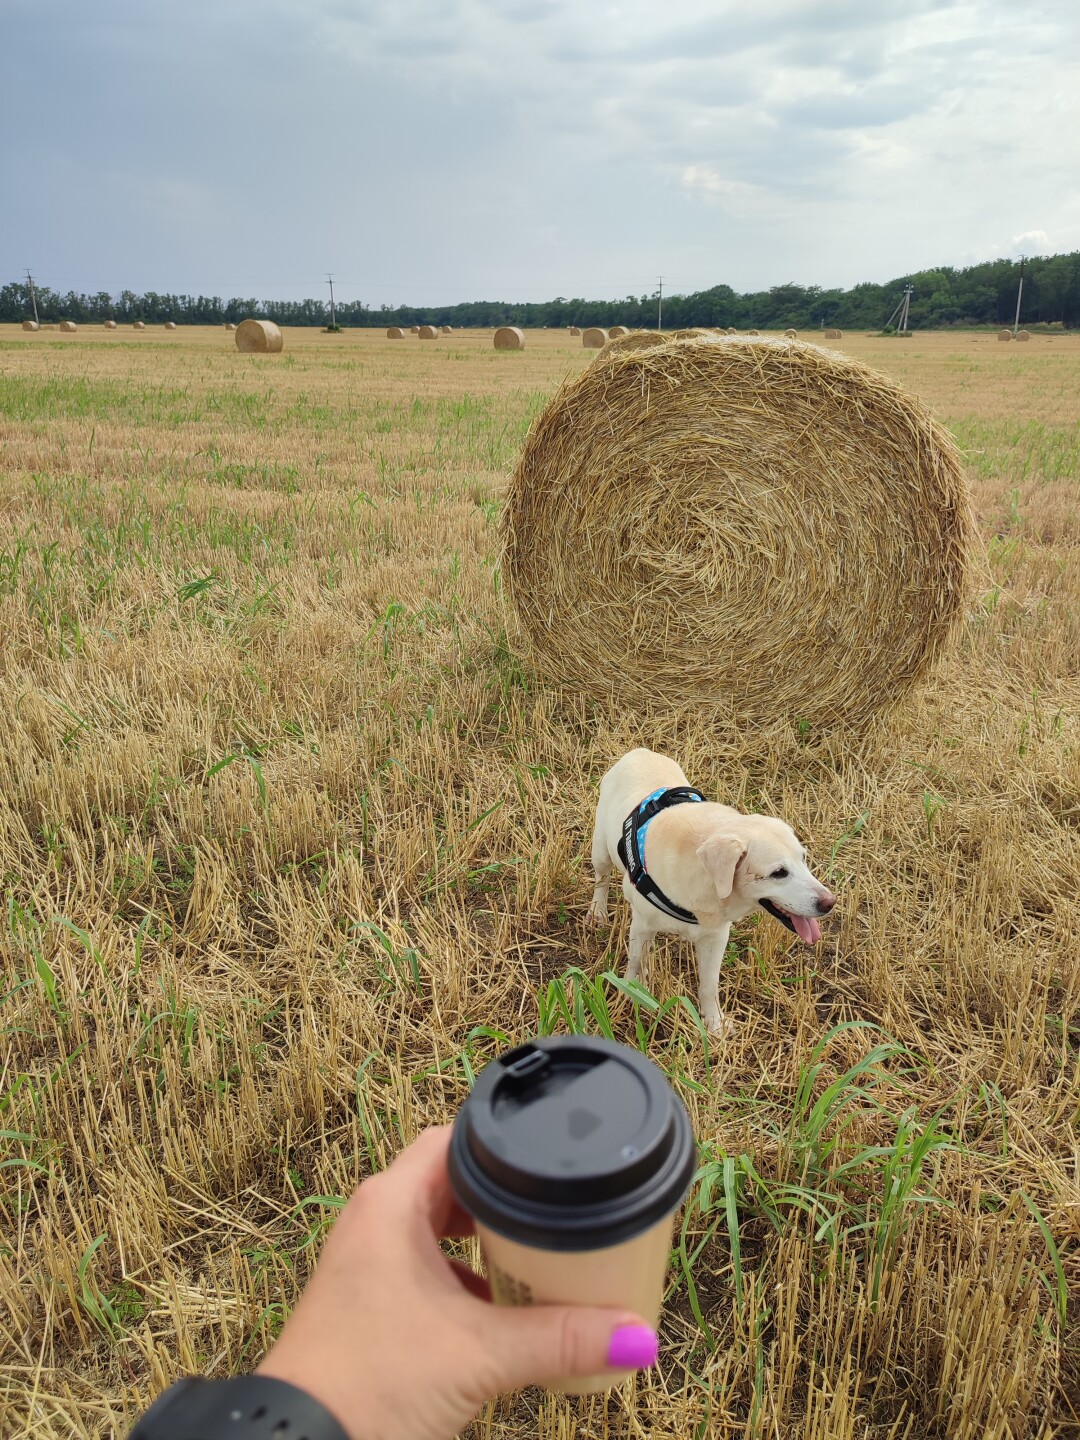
column 780, row 874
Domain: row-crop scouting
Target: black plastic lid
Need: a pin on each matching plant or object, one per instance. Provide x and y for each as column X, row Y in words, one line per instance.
column 571, row 1143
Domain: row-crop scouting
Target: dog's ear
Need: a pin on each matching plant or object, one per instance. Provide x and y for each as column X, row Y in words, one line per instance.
column 720, row 854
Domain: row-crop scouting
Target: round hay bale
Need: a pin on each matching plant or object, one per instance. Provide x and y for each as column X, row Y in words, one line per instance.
column 834, row 334
column 68, row 327
column 428, row 332
column 753, row 332
column 139, row 325
column 575, row 329
column 757, row 529
column 170, row 324
column 110, row 324
column 593, row 338
column 1023, row 335
column 1004, row 334
column 230, row 327
column 636, row 340
column 414, row 329
column 731, row 330
column 30, row 325
column 446, row 329
column 791, row 334
column 395, row 332
column 258, row 337
column 615, row 331
column 697, row 333
column 509, row 337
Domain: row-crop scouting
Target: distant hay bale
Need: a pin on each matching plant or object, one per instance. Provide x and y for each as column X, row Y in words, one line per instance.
column 230, row 326
column 593, row 338
column 428, row 332
column 139, row 325
column 258, row 337
column 1004, row 334
column 575, row 329
column 834, row 334
column 414, row 329
column 110, row 324
column 753, row 332
column 616, row 330
column 696, row 333
column 68, row 327
column 446, row 329
column 670, row 503
column 791, row 334
column 395, row 332
column 170, row 324
column 731, row 330
column 1023, row 335
column 30, row 325
column 635, row 340
column 509, row 337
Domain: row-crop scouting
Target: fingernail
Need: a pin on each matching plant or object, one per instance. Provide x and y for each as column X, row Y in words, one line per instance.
column 633, row 1347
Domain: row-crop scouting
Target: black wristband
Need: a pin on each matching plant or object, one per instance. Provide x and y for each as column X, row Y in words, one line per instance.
column 249, row 1407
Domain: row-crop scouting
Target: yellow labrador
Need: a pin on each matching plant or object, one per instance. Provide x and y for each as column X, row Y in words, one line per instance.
column 691, row 868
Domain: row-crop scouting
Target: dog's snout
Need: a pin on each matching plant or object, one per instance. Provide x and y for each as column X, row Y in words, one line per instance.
column 825, row 903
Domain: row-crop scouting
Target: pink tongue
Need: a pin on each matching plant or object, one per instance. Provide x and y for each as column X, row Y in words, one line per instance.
column 807, row 930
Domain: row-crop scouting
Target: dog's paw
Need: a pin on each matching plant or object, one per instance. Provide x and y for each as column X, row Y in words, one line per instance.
column 719, row 1027
column 596, row 915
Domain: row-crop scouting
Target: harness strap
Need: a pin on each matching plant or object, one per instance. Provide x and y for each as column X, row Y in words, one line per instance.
column 632, row 847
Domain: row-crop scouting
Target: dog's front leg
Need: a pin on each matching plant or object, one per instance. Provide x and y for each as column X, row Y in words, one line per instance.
column 641, row 936
column 711, row 946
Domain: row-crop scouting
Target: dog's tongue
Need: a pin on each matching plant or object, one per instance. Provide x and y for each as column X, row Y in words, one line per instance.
column 807, row 930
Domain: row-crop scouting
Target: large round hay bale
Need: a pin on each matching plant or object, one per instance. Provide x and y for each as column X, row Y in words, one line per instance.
column 110, row 324
column 1004, row 334
column 68, row 327
column 635, row 340
column 575, row 329
column 593, row 338
column 791, row 334
column 170, row 324
column 30, row 325
column 509, row 337
column 428, row 332
column 1023, row 335
column 446, row 329
column 139, row 325
column 258, row 337
column 395, row 332
column 756, row 529
column 614, row 331
column 834, row 334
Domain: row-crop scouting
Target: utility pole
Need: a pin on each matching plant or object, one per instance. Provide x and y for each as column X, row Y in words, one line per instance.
column 333, row 317
column 1020, row 291
column 908, row 291
column 660, row 306
column 33, row 296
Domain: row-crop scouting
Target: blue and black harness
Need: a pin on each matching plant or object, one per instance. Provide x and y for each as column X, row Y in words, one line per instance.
column 632, row 847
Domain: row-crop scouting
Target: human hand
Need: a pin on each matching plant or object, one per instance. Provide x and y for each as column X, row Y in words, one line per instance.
column 400, row 1342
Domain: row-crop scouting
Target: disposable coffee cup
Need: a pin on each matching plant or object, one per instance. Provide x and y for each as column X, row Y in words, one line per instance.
column 572, row 1155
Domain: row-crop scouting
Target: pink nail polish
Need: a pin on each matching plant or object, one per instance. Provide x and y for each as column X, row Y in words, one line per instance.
column 633, row 1347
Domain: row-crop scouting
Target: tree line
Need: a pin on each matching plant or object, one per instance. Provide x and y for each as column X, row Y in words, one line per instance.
column 976, row 295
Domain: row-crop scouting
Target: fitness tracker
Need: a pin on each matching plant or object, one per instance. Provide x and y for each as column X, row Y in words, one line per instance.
column 249, row 1407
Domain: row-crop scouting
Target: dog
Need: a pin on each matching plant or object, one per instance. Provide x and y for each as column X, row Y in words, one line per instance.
column 692, row 868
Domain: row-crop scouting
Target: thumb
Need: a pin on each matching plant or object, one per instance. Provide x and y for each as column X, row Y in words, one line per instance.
column 539, row 1344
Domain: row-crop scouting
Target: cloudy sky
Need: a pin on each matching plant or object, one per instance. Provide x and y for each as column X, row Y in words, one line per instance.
column 430, row 151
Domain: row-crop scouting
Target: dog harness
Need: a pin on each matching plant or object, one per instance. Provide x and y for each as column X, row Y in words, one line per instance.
column 632, row 847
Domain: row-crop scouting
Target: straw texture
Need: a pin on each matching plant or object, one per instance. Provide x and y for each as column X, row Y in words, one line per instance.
column 616, row 330
column 756, row 528
column 636, row 340
column 260, row 337
column 593, row 338
column 509, row 337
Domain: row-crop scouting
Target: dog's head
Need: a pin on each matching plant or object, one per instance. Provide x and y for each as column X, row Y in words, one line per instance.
column 760, row 860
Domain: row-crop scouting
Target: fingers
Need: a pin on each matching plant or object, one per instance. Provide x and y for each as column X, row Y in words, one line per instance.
column 537, row 1345
column 475, row 1284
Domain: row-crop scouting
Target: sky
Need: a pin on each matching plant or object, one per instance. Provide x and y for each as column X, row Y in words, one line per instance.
column 434, row 151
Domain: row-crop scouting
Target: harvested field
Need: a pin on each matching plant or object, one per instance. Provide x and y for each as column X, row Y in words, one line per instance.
column 292, row 842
